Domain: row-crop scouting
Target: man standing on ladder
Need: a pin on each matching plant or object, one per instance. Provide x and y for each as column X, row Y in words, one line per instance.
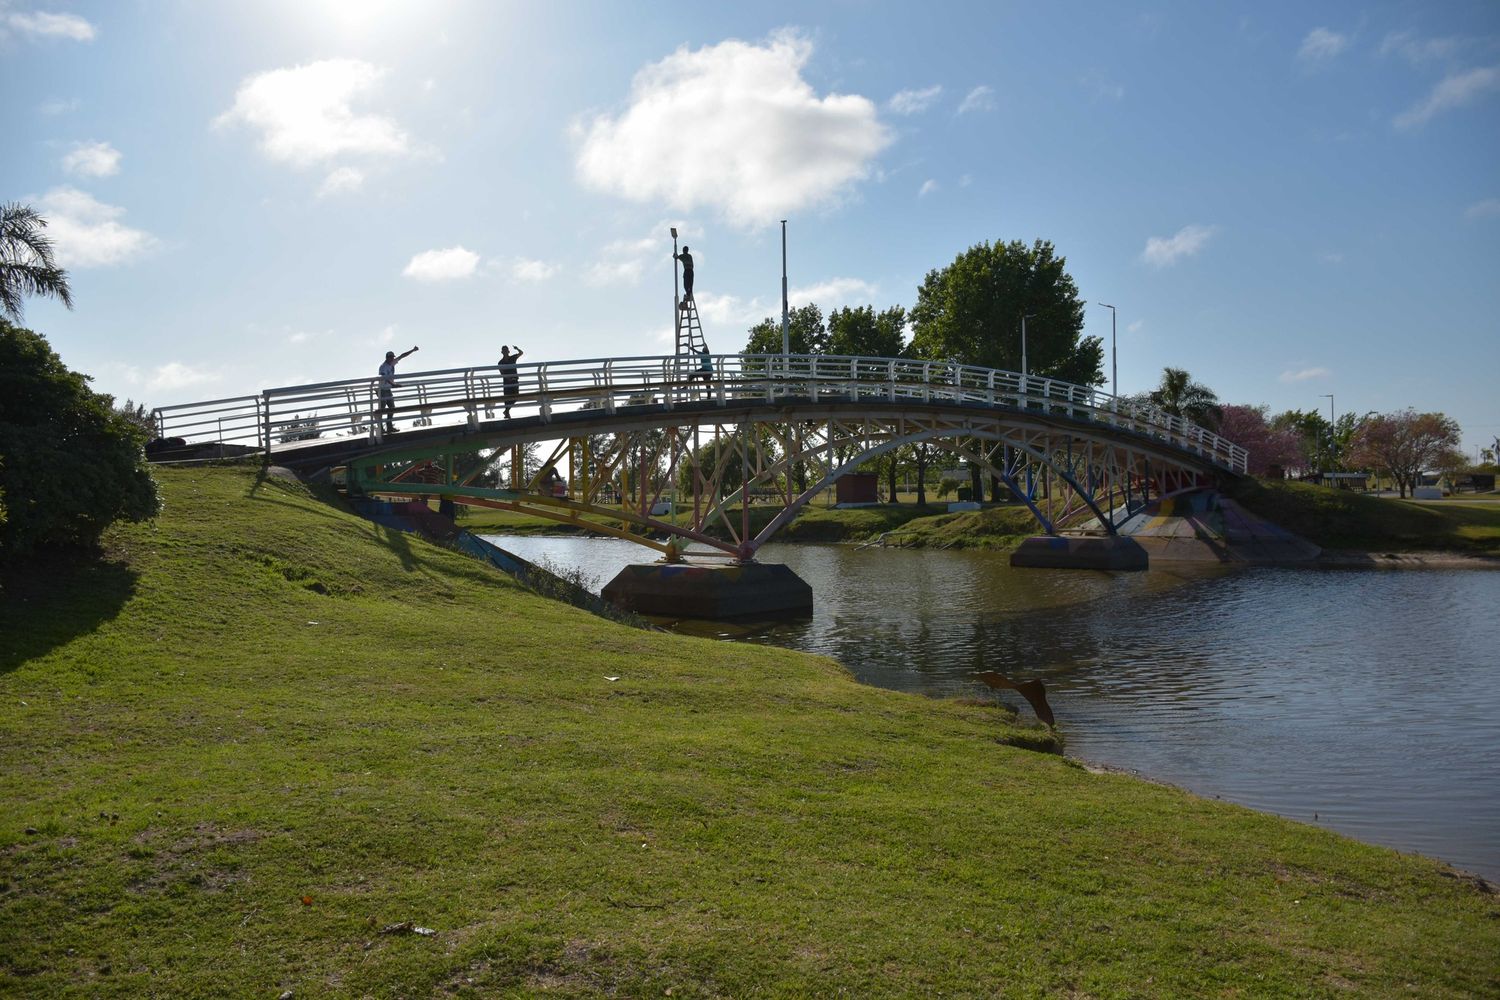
column 687, row 274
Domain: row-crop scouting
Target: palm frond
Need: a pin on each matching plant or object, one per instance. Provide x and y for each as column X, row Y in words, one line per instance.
column 26, row 265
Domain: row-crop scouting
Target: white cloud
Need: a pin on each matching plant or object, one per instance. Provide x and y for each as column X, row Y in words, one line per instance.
column 1454, row 91
column 1486, row 209
column 624, row 261
column 720, row 311
column 1419, row 50
column 1302, row 374
column 966, row 180
column 1320, row 44
column 88, row 233
column 1162, row 251
column 341, row 180
column 912, row 102
column 92, row 159
column 928, row 186
column 531, row 271
column 1135, row 327
column 979, row 99
column 442, row 265
column 305, row 113
column 386, row 335
column 835, row 292
column 40, row 24
column 1331, row 257
column 58, row 106
column 176, row 375
column 733, row 127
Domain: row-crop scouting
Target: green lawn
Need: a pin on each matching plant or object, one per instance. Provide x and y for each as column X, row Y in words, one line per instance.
column 1339, row 519
column 264, row 730
column 1001, row 526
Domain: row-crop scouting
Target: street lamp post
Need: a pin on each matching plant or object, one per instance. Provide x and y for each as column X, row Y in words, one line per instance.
column 1024, row 318
column 786, row 336
column 1329, row 397
column 1114, row 354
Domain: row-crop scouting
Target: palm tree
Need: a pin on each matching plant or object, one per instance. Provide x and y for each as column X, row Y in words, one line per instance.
column 1178, row 394
column 26, row 266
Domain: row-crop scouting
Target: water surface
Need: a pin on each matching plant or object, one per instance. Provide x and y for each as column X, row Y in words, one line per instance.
column 1367, row 701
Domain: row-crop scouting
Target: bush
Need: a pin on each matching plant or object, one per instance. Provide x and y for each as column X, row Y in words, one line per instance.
column 69, row 464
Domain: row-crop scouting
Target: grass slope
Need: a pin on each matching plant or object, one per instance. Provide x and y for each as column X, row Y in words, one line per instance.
column 1338, row 519
column 265, row 730
column 905, row 523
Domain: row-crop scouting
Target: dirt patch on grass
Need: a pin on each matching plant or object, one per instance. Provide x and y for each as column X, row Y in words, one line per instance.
column 187, row 860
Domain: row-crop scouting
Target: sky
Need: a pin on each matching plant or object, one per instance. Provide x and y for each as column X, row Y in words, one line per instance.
column 1289, row 200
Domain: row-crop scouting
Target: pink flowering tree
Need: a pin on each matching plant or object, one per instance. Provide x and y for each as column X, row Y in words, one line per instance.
column 1250, row 428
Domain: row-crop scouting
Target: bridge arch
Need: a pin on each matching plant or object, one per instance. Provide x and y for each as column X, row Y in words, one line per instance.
column 648, row 416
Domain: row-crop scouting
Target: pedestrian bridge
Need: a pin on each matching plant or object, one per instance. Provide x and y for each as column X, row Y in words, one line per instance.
column 668, row 450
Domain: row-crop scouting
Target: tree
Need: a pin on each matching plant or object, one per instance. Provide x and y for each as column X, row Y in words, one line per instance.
column 26, row 266
column 69, row 464
column 1250, row 428
column 1313, row 433
column 1180, row 396
column 862, row 332
column 970, row 311
column 138, row 414
column 1405, row 444
column 805, row 331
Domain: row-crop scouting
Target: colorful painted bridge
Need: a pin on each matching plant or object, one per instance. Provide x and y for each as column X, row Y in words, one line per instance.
column 673, row 449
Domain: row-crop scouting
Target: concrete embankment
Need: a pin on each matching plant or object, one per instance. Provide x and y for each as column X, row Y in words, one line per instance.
column 1208, row 527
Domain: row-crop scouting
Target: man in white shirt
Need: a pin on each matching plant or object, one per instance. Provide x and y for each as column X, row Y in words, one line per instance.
column 387, row 384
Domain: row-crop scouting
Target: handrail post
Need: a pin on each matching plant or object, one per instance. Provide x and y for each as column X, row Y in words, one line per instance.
column 265, row 426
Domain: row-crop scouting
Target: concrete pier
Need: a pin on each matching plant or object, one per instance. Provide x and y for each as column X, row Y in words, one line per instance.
column 682, row 590
column 1080, row 552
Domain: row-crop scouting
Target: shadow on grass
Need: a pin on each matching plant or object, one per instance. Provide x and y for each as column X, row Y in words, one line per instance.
column 40, row 611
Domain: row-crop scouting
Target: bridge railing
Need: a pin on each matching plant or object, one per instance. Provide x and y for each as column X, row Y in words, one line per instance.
column 284, row 416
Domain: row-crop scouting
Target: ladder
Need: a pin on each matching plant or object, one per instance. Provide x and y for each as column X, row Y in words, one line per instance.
column 689, row 330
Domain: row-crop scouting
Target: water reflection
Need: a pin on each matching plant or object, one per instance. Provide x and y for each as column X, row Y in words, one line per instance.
column 1371, row 699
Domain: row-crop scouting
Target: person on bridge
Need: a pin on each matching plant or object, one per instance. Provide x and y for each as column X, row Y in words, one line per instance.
column 705, row 366
column 510, row 376
column 687, row 274
column 387, row 389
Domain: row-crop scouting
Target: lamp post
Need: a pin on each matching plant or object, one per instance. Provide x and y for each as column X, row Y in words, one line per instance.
column 1114, row 354
column 1024, row 318
column 676, row 311
column 1329, row 397
column 786, row 336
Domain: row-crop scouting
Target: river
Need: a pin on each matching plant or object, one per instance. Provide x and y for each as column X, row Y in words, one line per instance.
column 1366, row 701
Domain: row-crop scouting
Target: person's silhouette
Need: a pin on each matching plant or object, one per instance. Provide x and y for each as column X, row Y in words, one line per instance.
column 687, row 275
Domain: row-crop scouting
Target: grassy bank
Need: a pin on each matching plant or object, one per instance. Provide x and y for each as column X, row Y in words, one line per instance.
column 904, row 524
column 264, row 731
column 1339, row 519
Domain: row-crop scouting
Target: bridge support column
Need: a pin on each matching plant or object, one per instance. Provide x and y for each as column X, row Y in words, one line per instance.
column 716, row 593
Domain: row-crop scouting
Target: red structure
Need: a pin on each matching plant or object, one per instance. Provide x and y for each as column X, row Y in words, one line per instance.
column 857, row 487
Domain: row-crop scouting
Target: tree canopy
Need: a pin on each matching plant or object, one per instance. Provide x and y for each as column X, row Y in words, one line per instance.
column 805, row 330
column 1406, row 443
column 26, row 266
column 1179, row 395
column 69, row 464
column 862, row 332
column 971, row 310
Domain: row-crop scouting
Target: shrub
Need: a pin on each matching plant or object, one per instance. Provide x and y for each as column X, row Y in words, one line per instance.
column 69, row 464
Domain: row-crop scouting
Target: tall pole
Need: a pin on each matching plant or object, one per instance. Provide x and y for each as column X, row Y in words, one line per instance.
column 1330, row 426
column 786, row 335
column 676, row 311
column 1024, row 318
column 1114, row 354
